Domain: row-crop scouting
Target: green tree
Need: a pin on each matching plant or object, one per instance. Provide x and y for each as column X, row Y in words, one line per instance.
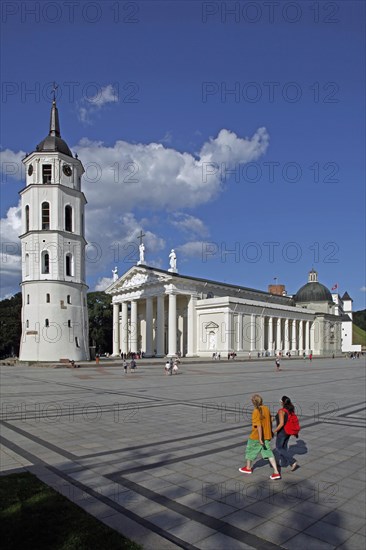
column 100, row 321
column 359, row 318
column 10, row 323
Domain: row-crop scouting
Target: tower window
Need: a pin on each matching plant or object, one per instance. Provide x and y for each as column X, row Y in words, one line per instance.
column 45, row 215
column 48, row 298
column 27, row 265
column 27, row 298
column 77, row 342
column 46, row 323
column 68, row 218
column 69, row 265
column 45, row 262
column 27, row 324
column 27, row 218
column 46, row 173
column 68, row 299
column 69, row 323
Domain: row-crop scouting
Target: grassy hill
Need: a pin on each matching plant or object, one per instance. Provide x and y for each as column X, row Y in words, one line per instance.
column 359, row 336
column 359, row 318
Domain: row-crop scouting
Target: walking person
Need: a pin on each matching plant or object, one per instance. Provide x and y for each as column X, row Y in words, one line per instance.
column 259, row 439
column 125, row 366
column 282, row 437
column 132, row 365
column 277, row 364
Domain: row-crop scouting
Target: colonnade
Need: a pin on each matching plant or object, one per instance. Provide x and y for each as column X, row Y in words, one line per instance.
column 157, row 317
column 272, row 334
column 126, row 325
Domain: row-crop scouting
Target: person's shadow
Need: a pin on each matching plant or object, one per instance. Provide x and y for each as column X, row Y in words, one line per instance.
column 299, row 448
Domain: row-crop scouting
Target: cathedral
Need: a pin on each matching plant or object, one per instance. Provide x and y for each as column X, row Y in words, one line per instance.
column 161, row 312
column 155, row 311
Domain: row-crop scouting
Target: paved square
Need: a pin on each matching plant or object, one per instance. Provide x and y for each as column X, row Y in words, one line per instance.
column 156, row 457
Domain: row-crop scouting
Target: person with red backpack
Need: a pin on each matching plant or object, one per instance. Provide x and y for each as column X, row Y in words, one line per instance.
column 287, row 425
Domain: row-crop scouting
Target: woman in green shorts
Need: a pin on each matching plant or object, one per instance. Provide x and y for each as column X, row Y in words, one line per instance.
column 259, row 439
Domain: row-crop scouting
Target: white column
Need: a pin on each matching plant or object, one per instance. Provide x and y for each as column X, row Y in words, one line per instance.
column 270, row 335
column 227, row 336
column 124, row 328
column 172, row 325
column 301, row 336
column 239, row 332
column 191, row 327
column 278, row 334
column 149, row 327
column 133, row 326
column 252, row 332
column 307, row 336
column 293, row 335
column 287, row 336
column 116, row 347
column 261, row 333
column 160, row 322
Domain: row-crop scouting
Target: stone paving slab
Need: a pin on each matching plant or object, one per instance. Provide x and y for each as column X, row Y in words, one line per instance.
column 156, row 457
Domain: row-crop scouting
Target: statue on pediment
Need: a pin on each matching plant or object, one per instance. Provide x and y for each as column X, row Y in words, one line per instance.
column 173, row 261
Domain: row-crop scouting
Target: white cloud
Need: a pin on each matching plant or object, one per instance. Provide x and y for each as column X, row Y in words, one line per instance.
column 11, row 165
column 91, row 105
column 155, row 177
column 189, row 224
column 10, row 227
column 103, row 283
column 228, row 148
column 363, row 288
column 10, row 274
column 108, row 94
column 193, row 249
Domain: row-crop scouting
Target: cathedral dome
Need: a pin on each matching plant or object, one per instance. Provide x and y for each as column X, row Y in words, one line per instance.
column 53, row 142
column 313, row 291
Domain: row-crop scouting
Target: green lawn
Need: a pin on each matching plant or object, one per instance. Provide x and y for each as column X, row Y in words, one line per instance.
column 359, row 335
column 32, row 515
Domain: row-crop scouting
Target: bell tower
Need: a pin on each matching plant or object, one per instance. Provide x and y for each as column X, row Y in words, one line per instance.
column 54, row 306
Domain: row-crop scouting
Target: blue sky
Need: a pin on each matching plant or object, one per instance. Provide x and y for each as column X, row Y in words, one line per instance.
column 212, row 131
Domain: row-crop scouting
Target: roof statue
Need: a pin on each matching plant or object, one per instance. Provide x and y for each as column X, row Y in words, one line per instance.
column 141, row 249
column 173, row 261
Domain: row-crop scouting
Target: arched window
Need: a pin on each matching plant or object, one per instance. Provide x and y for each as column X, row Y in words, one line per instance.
column 68, row 299
column 27, row 265
column 27, row 218
column 48, row 298
column 68, row 218
column 45, row 269
column 69, row 265
column 27, row 298
column 45, row 215
column 27, row 324
column 46, row 323
column 69, row 323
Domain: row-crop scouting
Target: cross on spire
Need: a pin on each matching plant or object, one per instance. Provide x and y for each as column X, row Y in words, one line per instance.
column 140, row 236
column 54, row 88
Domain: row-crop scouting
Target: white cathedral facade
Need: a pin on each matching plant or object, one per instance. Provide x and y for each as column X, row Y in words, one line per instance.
column 164, row 313
column 54, row 307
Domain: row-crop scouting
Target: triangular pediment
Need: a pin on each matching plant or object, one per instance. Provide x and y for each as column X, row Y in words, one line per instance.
column 135, row 278
column 211, row 326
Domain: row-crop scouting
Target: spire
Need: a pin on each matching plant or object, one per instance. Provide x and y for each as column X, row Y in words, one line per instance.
column 54, row 122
